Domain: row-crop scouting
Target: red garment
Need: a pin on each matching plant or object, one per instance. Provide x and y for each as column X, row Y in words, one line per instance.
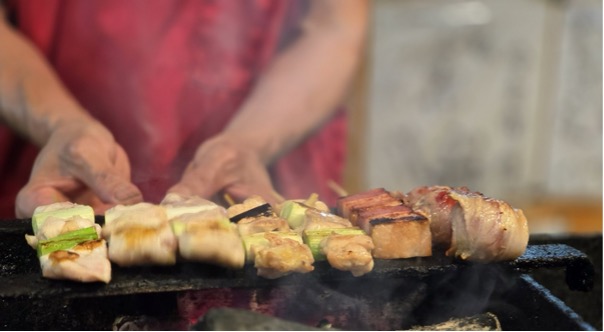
column 164, row 76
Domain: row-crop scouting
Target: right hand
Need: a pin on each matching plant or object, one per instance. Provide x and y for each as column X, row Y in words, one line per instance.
column 80, row 163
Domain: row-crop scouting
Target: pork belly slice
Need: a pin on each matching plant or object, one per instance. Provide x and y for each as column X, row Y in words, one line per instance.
column 85, row 262
column 344, row 205
column 486, row 229
column 437, row 205
column 364, row 208
column 208, row 236
column 366, row 215
column 282, row 256
column 139, row 234
column 349, row 253
column 402, row 237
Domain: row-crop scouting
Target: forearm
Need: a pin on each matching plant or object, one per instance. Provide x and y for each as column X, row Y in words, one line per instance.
column 303, row 86
column 33, row 101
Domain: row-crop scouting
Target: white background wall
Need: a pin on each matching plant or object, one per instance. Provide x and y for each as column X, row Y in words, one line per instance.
column 503, row 96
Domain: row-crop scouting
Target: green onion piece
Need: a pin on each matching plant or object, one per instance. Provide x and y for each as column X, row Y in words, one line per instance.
column 294, row 213
column 67, row 240
column 65, row 212
column 178, row 227
column 313, row 238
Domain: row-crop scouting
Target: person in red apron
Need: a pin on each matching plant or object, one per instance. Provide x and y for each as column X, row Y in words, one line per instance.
column 107, row 102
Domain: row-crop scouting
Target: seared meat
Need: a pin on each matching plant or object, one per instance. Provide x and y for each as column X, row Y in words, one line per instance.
column 177, row 205
column 401, row 237
column 365, row 209
column 436, row 204
column 86, row 262
column 470, row 225
column 372, row 197
column 316, row 219
column 486, row 229
column 55, row 226
column 349, row 253
column 282, row 256
column 210, row 237
column 249, row 226
column 246, row 205
column 365, row 216
column 139, row 234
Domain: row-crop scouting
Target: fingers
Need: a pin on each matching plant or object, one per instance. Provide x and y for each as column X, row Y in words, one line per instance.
column 106, row 174
column 30, row 197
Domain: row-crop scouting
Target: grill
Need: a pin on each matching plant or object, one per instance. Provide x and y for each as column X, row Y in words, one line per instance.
column 397, row 294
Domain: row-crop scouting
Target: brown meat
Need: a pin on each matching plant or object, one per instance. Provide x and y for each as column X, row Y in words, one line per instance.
column 347, row 203
column 486, row 229
column 349, row 253
column 254, row 225
column 315, row 219
column 436, row 204
column 281, row 257
column 403, row 237
column 86, row 262
column 366, row 215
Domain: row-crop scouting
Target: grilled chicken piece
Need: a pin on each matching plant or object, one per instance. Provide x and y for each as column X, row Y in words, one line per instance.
column 282, row 256
column 177, row 205
column 486, row 229
column 208, row 236
column 254, row 225
column 86, row 262
column 246, row 205
column 349, row 253
column 315, row 219
column 55, row 226
column 139, row 234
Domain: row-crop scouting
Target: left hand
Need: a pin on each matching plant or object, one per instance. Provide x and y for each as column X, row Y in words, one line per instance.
column 224, row 165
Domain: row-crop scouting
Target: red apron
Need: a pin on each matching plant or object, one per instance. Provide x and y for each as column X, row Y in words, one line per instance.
column 164, row 76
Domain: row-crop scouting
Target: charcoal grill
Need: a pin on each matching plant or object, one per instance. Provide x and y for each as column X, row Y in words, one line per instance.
column 397, row 294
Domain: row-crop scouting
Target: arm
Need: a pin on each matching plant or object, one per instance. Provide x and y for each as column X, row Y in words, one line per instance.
column 305, row 84
column 79, row 160
column 298, row 92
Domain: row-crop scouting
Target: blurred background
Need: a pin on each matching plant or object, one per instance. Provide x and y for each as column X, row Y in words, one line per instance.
column 504, row 97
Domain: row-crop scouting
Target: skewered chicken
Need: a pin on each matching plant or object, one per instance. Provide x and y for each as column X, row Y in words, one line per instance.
column 282, row 256
column 85, row 262
column 139, row 234
column 204, row 232
column 68, row 244
column 349, row 253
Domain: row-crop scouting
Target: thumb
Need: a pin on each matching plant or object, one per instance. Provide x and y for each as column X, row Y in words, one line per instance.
column 112, row 188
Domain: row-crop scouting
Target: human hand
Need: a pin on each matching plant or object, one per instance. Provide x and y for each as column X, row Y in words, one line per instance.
column 81, row 163
column 224, row 165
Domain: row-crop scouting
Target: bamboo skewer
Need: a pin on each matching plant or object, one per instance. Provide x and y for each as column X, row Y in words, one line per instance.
column 229, row 199
column 278, row 196
column 337, row 188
